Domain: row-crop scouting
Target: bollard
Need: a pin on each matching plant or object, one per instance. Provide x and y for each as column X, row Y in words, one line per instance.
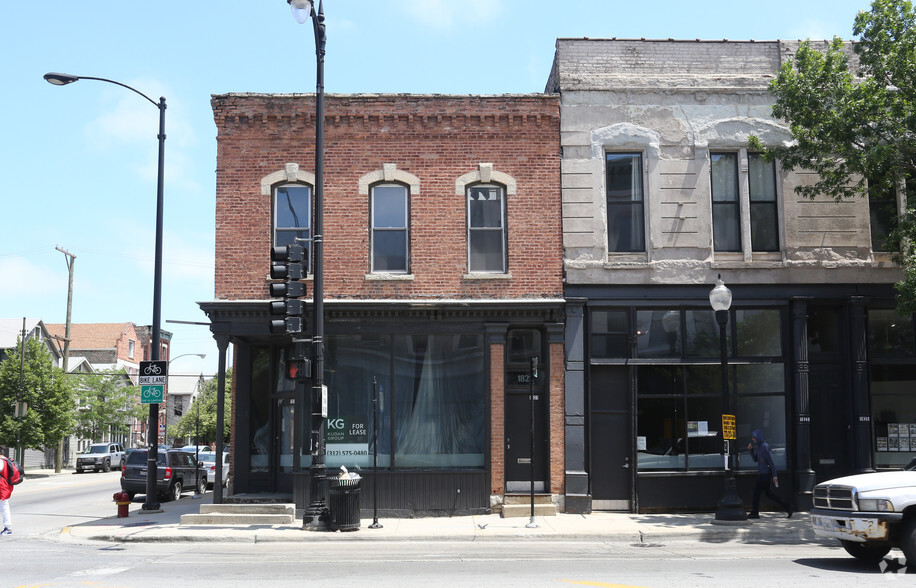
column 123, row 501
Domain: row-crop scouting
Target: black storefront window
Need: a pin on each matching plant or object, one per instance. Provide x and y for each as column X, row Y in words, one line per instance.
column 892, row 381
column 432, row 400
column 678, row 381
column 259, row 412
column 678, row 415
column 609, row 333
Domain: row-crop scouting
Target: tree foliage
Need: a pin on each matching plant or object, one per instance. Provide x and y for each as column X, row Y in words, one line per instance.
column 205, row 403
column 46, row 391
column 854, row 120
column 107, row 405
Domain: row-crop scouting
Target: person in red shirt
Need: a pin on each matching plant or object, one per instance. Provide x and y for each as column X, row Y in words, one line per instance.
column 6, row 489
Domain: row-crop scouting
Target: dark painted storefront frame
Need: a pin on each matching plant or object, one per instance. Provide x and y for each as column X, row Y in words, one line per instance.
column 401, row 492
column 700, row 490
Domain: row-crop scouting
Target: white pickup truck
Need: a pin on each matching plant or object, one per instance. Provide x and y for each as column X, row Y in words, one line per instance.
column 868, row 513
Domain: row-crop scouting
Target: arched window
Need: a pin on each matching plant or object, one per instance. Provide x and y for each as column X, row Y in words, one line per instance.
column 486, row 228
column 390, row 231
column 291, row 192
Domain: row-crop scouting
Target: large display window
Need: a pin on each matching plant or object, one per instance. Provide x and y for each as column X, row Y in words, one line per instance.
column 431, row 400
column 892, row 379
column 678, row 378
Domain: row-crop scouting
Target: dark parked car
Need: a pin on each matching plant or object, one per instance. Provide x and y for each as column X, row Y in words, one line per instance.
column 177, row 472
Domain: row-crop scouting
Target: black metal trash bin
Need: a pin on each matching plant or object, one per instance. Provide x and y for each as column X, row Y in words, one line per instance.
column 344, row 504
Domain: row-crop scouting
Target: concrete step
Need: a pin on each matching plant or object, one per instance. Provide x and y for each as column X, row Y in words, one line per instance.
column 230, row 519
column 524, row 510
column 526, row 499
column 249, row 509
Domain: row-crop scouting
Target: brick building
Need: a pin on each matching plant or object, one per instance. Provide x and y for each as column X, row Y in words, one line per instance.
column 442, row 278
column 661, row 194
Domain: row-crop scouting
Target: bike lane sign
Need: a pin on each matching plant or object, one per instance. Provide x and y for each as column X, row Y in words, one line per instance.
column 153, row 378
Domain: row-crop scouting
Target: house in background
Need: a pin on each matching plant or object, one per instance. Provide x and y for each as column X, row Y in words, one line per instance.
column 183, row 390
column 11, row 332
column 661, row 195
column 107, row 346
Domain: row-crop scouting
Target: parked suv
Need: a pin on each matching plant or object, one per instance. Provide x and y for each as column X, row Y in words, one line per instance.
column 100, row 457
column 177, row 472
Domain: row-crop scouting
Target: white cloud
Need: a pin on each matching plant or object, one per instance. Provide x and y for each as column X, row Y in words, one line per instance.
column 444, row 14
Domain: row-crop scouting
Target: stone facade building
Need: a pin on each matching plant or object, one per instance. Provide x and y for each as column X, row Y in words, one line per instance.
column 661, row 195
column 442, row 278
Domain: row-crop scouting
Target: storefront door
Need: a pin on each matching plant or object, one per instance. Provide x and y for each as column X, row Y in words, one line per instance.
column 283, row 444
column 610, row 438
column 519, row 460
column 526, row 412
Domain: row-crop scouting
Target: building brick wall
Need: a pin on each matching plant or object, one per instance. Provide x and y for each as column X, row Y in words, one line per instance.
column 436, row 138
column 497, row 419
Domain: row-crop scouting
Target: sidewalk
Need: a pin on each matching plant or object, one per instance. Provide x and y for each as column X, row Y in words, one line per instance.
column 148, row 526
column 644, row 529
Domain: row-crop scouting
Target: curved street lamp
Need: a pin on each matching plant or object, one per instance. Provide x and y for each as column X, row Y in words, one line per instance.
column 730, row 507
column 315, row 516
column 62, row 79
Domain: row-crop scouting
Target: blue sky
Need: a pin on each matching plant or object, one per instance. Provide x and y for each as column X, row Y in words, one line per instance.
column 78, row 163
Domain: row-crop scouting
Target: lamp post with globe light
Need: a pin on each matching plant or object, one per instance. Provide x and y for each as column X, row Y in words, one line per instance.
column 730, row 508
column 315, row 516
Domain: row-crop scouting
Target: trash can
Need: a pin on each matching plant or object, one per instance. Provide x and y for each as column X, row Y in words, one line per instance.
column 344, row 504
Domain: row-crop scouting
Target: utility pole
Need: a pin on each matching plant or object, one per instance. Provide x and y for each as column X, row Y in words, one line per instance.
column 69, row 258
column 19, row 412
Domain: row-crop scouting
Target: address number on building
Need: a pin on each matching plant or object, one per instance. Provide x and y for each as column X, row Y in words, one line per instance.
column 729, row 430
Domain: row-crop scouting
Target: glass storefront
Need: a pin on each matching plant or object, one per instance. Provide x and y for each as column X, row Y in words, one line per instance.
column 678, row 380
column 432, row 400
column 892, row 375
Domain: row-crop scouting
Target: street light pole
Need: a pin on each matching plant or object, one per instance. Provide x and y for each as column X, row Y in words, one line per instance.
column 730, row 508
column 152, row 433
column 315, row 516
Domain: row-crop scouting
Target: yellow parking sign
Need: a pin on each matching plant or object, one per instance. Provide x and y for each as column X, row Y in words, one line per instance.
column 728, row 427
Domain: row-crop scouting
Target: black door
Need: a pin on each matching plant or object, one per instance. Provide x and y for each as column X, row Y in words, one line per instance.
column 830, row 394
column 519, row 459
column 526, row 412
column 610, row 438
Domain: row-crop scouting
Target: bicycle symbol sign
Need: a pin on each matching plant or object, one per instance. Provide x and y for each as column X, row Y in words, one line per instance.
column 151, row 394
column 153, row 372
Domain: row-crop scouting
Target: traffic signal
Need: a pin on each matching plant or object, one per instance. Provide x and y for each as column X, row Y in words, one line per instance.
column 299, row 369
column 286, row 264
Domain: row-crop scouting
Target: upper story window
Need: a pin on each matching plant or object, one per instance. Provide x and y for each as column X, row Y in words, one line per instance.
column 625, row 203
column 726, row 221
column 884, row 205
column 390, row 231
column 737, row 211
column 486, row 228
column 130, row 348
column 292, row 217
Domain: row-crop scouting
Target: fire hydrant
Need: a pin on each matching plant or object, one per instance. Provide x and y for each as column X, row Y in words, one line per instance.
column 123, row 501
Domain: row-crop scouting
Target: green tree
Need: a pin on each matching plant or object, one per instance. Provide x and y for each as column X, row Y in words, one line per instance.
column 46, row 391
column 857, row 128
column 107, row 404
column 188, row 425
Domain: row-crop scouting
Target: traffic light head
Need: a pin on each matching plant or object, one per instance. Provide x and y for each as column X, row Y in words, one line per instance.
column 286, row 264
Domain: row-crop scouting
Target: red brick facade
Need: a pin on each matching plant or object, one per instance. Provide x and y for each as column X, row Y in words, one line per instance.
column 439, row 140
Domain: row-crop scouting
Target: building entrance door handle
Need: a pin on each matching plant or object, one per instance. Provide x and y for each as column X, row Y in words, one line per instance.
column 508, row 443
column 626, row 463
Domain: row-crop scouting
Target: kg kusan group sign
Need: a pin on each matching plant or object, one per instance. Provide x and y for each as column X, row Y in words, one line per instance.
column 347, row 441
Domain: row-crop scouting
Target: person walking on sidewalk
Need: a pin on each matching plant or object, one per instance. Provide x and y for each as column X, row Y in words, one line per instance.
column 6, row 489
column 766, row 472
